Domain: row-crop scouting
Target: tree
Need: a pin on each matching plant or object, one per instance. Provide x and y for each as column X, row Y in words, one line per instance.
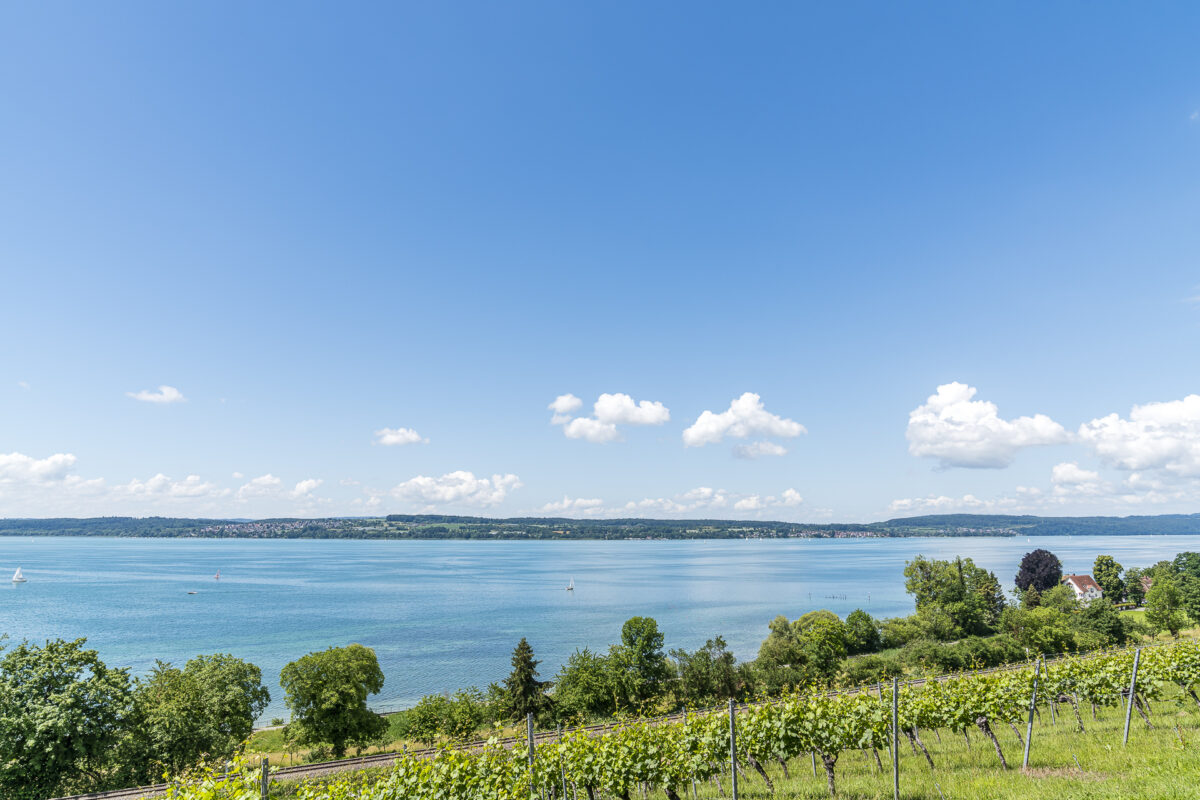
column 327, row 694
column 1133, row 586
column 1042, row 630
column 1103, row 622
column 526, row 694
column 708, row 675
column 863, row 632
column 639, row 665
column 969, row 595
column 1189, row 596
column 1188, row 564
column 797, row 654
column 1040, row 569
column 183, row 717
column 583, row 687
column 1107, row 573
column 1163, row 606
column 61, row 711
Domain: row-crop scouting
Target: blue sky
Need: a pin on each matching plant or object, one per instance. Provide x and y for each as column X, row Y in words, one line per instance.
column 316, row 225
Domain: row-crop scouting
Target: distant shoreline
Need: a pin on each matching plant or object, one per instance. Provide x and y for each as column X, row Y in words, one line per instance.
column 444, row 527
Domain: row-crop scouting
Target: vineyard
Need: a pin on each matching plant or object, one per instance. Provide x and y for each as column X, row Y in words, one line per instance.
column 774, row 744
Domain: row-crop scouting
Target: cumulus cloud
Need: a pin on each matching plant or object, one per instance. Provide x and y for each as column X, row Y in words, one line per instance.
column 573, row 505
column 18, row 468
column 745, row 417
column 759, row 449
column 23, row 384
column 457, row 488
column 941, row 504
column 563, row 406
column 160, row 485
column 262, row 486
column 962, row 432
column 1157, row 436
column 754, row 502
column 609, row 411
column 305, row 488
column 395, row 437
column 707, row 500
column 165, row 394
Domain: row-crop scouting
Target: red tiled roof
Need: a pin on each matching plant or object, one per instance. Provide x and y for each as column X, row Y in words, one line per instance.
column 1083, row 582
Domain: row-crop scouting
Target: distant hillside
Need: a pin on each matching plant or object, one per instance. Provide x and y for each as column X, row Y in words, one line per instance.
column 437, row 526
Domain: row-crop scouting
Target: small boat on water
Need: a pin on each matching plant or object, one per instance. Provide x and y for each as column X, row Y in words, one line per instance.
column 18, row 577
column 191, row 592
column 571, row 585
column 217, row 577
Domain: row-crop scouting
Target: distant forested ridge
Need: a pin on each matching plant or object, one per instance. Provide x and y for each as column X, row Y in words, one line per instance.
column 436, row 526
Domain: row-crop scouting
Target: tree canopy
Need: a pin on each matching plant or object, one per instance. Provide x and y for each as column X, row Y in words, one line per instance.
column 1040, row 569
column 525, row 693
column 327, row 695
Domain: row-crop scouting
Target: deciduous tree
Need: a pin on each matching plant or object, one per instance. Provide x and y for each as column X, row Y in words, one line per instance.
column 1040, row 569
column 327, row 694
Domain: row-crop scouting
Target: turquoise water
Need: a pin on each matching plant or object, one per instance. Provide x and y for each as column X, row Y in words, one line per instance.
column 446, row 614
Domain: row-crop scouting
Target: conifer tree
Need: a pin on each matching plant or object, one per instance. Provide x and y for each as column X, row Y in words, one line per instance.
column 526, row 694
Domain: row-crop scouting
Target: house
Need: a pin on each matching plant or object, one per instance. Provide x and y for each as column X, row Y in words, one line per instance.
column 1086, row 589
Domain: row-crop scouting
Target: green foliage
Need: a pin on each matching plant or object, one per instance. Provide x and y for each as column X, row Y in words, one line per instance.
column 801, row 653
column 708, row 676
column 526, row 694
column 1164, row 603
column 1107, row 573
column 1134, row 591
column 862, row 633
column 868, row 669
column 184, row 717
column 61, row 711
column 1042, row 630
column 966, row 597
column 1102, row 624
column 327, row 695
column 638, row 665
column 583, row 687
column 1061, row 598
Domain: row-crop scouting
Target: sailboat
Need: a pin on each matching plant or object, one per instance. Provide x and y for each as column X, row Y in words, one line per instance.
column 18, row 577
column 571, row 585
column 217, row 577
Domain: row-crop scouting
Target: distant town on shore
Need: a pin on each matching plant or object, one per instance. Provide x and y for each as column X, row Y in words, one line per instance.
column 434, row 526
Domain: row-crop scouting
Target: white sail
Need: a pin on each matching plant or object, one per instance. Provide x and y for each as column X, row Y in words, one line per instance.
column 18, row 577
column 571, row 585
column 217, row 577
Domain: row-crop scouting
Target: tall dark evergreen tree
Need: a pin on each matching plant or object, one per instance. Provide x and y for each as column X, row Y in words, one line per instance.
column 526, row 694
column 1040, row 569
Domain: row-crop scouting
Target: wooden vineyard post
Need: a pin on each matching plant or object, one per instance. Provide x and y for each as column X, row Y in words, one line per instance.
column 529, row 727
column 1037, row 671
column 733, row 749
column 562, row 763
column 895, row 738
column 265, row 781
column 685, row 722
column 1137, row 655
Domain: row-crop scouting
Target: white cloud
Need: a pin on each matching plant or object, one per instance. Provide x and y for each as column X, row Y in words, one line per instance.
column 562, row 407
column 942, row 504
column 1194, row 115
column 759, row 449
column 305, row 488
column 237, row 476
column 961, row 432
column 745, row 417
column 457, row 488
column 592, row 430
column 1069, row 473
column 609, row 411
column 165, row 394
column 23, row 384
column 262, row 486
column 393, row 437
column 1157, row 436
column 162, row 486
column 577, row 505
column 18, row 468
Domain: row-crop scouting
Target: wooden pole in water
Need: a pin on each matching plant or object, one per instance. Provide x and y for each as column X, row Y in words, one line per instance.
column 733, row 749
column 1037, row 672
column 1137, row 655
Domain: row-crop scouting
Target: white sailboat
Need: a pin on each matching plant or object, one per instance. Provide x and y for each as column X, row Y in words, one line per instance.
column 217, row 577
column 571, row 585
column 18, row 577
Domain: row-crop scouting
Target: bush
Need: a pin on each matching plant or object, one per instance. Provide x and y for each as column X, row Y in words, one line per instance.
column 868, row 669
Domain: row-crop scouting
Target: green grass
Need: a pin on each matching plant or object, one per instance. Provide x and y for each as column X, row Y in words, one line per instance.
column 1154, row 765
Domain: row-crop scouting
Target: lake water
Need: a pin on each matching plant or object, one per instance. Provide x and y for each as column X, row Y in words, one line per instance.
column 446, row 614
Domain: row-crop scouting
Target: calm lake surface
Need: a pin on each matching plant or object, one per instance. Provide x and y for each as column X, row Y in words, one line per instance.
column 446, row 614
